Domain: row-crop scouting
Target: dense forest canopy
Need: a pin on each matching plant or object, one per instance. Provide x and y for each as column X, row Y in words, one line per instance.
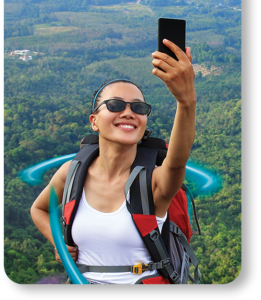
column 74, row 45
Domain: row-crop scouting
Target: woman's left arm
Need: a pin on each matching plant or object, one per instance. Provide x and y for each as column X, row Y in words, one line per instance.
column 179, row 77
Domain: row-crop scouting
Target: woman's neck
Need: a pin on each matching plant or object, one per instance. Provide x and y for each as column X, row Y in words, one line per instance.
column 114, row 159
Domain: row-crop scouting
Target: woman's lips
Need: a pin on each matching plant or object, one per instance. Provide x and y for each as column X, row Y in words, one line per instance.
column 126, row 127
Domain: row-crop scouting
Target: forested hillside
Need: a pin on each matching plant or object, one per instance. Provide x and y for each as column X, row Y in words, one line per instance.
column 74, row 45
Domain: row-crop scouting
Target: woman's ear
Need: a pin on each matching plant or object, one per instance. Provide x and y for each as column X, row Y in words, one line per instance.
column 92, row 119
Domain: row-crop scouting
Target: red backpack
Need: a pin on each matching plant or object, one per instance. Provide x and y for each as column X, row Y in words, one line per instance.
column 170, row 250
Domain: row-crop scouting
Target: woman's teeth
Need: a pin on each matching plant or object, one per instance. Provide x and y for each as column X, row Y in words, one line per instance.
column 126, row 126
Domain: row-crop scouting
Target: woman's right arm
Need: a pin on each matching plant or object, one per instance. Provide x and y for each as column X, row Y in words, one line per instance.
column 40, row 208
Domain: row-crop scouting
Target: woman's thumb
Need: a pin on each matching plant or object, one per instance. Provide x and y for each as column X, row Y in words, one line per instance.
column 72, row 248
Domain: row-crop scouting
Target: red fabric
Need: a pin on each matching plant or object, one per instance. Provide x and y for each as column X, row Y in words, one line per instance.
column 178, row 213
column 68, row 208
column 145, row 223
column 156, row 280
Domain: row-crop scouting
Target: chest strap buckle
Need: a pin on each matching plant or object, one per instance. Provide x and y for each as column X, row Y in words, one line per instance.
column 140, row 268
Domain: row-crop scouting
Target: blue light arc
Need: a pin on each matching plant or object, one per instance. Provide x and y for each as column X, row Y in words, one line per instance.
column 33, row 175
column 205, row 180
column 209, row 179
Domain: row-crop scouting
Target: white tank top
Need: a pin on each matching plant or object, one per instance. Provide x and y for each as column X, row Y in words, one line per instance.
column 109, row 239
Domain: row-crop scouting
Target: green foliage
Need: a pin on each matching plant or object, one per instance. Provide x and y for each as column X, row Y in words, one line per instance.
column 29, row 261
column 47, row 103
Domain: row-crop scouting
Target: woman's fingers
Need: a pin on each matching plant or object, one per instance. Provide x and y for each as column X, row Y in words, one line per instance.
column 57, row 257
column 165, row 58
column 188, row 53
column 72, row 250
column 175, row 49
column 161, row 64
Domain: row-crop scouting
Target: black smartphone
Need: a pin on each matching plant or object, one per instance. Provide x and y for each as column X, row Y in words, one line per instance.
column 175, row 31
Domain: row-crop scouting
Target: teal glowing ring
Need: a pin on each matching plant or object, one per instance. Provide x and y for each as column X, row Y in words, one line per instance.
column 71, row 269
column 34, row 175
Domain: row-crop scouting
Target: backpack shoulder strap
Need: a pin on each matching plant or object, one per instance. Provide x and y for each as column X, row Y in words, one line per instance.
column 74, row 185
column 150, row 153
column 140, row 189
column 142, row 210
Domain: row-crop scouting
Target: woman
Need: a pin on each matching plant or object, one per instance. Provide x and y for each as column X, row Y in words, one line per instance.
column 102, row 208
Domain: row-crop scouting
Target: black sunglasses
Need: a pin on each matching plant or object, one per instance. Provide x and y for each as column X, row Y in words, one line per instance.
column 117, row 105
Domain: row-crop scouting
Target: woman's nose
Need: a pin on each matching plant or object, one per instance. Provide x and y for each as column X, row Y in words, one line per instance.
column 127, row 112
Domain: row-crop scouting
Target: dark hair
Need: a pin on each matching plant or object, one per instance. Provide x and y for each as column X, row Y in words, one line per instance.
column 97, row 94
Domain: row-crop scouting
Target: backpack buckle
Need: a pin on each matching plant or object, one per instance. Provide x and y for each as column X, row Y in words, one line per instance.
column 174, row 276
column 147, row 133
column 140, row 268
column 177, row 231
column 166, row 262
column 154, row 235
column 63, row 222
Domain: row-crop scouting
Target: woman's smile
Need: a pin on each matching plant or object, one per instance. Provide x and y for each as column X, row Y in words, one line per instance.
column 126, row 127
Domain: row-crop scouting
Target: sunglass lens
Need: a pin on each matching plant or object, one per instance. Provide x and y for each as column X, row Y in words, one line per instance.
column 116, row 105
column 140, row 108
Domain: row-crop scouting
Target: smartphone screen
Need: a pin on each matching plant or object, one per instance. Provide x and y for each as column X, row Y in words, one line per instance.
column 174, row 30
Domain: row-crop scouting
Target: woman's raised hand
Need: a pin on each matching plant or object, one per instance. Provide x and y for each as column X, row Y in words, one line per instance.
column 178, row 75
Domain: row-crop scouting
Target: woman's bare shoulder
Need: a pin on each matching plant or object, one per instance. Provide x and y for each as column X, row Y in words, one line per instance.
column 59, row 178
column 58, row 182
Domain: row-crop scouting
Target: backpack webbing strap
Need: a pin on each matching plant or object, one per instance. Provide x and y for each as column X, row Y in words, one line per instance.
column 168, row 267
column 193, row 259
column 187, row 191
column 183, row 265
column 135, row 269
column 69, row 182
column 144, row 192
column 141, row 171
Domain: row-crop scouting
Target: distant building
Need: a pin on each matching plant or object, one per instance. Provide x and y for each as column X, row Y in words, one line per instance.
column 25, row 57
column 22, row 52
